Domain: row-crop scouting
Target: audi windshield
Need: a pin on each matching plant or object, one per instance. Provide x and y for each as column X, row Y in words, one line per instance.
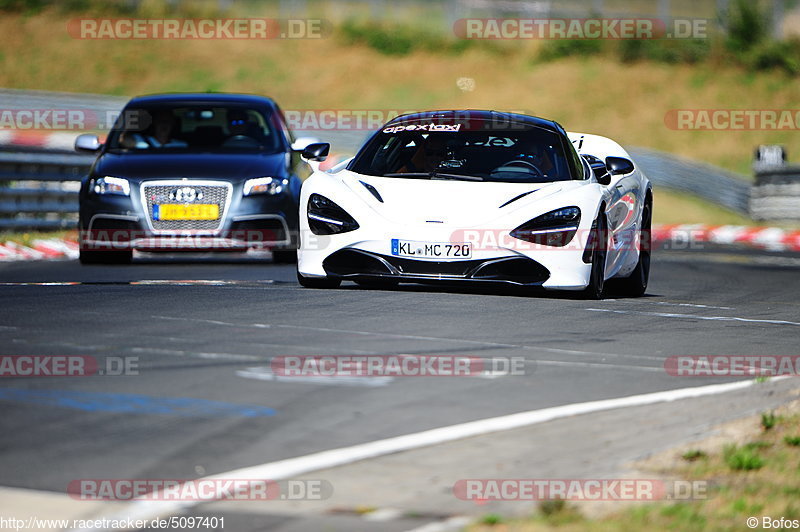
column 194, row 128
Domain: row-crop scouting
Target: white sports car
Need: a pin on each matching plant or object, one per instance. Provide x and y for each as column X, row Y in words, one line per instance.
column 477, row 196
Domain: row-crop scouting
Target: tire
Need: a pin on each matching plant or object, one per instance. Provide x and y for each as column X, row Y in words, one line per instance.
column 284, row 256
column 105, row 257
column 317, row 282
column 635, row 285
column 596, row 287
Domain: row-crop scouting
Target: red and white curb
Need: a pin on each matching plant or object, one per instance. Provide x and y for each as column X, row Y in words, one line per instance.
column 50, row 249
column 768, row 238
column 38, row 139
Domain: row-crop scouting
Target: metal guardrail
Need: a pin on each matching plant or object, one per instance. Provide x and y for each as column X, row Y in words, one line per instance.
column 38, row 191
column 708, row 182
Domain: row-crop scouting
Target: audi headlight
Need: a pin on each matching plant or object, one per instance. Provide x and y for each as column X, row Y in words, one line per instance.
column 265, row 185
column 112, row 185
column 555, row 228
column 326, row 218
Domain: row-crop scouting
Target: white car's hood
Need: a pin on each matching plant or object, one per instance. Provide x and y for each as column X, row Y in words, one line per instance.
column 459, row 203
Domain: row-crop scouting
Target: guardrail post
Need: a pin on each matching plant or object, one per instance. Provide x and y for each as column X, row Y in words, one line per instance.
column 776, row 192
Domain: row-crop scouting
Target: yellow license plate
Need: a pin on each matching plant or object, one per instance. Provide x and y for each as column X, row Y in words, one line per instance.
column 171, row 211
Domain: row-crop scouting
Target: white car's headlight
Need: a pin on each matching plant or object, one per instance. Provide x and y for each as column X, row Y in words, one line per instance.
column 112, row 185
column 555, row 228
column 265, row 185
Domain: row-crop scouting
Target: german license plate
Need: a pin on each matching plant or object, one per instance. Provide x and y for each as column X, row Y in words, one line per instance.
column 431, row 250
column 173, row 211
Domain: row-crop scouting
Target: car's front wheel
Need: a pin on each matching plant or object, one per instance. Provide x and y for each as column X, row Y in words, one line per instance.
column 317, row 282
column 598, row 241
column 635, row 285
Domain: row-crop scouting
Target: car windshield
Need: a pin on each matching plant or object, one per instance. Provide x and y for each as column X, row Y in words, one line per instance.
column 516, row 154
column 194, row 128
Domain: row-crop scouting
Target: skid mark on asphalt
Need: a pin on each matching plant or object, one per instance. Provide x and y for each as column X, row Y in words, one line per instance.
column 694, row 316
column 410, row 337
column 132, row 403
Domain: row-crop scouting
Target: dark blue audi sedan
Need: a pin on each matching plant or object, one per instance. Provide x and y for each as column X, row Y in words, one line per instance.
column 196, row 172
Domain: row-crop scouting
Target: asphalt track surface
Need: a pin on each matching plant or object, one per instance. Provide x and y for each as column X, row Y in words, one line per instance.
column 203, row 331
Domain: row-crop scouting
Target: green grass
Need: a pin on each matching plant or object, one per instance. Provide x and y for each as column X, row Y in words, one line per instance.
column 693, row 455
column 743, row 458
column 794, row 441
column 768, row 420
column 759, row 477
column 491, row 519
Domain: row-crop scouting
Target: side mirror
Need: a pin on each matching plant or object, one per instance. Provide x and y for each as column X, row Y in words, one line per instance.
column 301, row 143
column 317, row 151
column 87, row 143
column 619, row 165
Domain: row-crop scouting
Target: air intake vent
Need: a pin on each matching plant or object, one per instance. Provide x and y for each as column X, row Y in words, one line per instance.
column 373, row 191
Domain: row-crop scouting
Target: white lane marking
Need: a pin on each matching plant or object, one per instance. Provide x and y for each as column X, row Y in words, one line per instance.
column 599, row 365
column 293, row 467
column 453, row 523
column 695, row 316
column 408, row 337
column 688, row 305
column 383, row 514
column 266, row 374
column 193, row 354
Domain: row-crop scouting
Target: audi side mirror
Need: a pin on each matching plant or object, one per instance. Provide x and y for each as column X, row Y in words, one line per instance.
column 88, row 143
column 301, row 143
